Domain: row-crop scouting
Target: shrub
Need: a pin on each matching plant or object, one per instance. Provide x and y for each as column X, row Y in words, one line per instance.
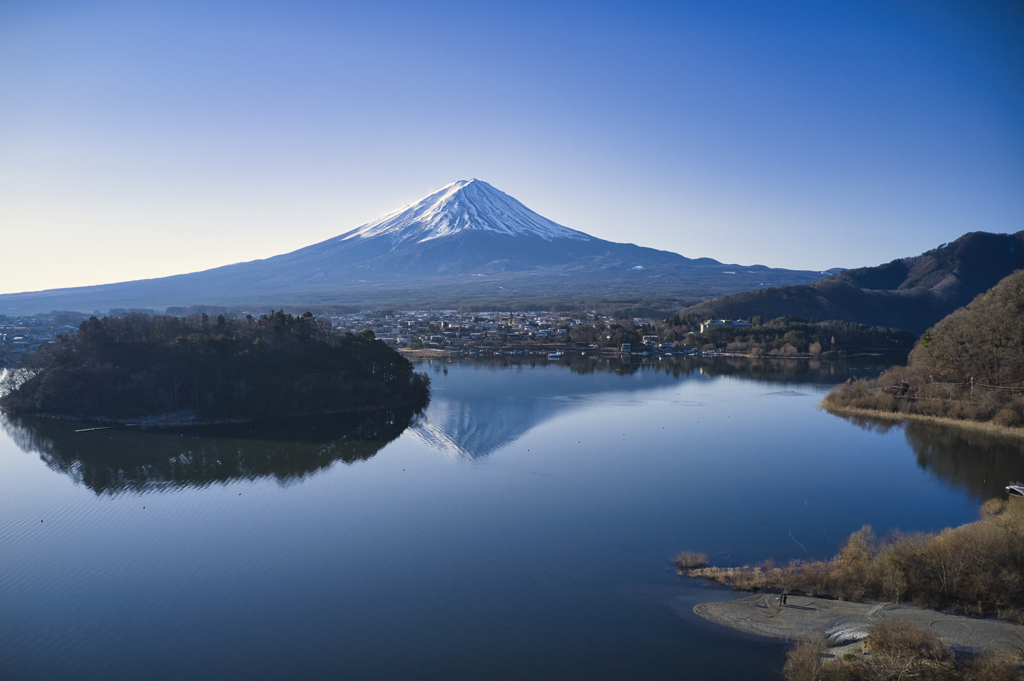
column 904, row 639
column 803, row 662
column 999, row 667
column 689, row 560
column 1009, row 417
column 986, row 405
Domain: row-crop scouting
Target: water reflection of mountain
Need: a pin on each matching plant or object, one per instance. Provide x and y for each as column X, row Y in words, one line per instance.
column 980, row 463
column 478, row 409
column 123, row 459
column 472, row 428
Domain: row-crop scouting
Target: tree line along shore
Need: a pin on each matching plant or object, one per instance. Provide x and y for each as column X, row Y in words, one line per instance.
column 136, row 366
column 968, row 368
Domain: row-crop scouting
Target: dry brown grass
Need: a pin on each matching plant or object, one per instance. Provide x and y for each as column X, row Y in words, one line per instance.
column 1001, row 667
column 901, row 394
column 804, row 662
column 746, row 577
column 975, row 569
column 898, row 417
column 897, row 650
column 689, row 560
column 902, row 649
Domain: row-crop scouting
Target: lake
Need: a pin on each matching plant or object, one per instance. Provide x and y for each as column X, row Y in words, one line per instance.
column 522, row 527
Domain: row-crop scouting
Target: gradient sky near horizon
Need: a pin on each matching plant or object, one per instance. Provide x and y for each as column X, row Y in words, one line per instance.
column 143, row 139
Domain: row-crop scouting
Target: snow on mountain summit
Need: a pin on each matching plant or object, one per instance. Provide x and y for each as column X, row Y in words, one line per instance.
column 461, row 206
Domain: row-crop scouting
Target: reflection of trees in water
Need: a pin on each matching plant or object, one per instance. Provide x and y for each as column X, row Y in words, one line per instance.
column 978, row 462
column 120, row 459
column 764, row 369
column 983, row 464
column 777, row 370
column 872, row 425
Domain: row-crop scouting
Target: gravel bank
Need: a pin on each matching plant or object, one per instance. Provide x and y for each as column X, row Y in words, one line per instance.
column 841, row 622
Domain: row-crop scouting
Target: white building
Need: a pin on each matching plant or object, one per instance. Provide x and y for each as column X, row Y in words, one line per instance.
column 717, row 323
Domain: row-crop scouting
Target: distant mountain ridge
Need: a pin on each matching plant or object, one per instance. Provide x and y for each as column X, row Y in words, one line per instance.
column 466, row 243
column 909, row 293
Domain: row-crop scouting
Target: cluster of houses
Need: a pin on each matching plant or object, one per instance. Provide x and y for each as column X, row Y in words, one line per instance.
column 456, row 329
column 472, row 330
column 443, row 329
column 19, row 335
column 469, row 330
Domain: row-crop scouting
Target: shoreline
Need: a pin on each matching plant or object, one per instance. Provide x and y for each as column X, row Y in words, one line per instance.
column 542, row 350
column 897, row 417
column 426, row 353
column 825, row 356
column 844, row 624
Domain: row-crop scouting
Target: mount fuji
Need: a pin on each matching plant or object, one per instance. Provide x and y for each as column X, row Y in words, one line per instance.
column 463, row 206
column 467, row 243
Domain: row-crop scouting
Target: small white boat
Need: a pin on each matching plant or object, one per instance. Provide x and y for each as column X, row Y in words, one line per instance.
column 555, row 355
column 1015, row 489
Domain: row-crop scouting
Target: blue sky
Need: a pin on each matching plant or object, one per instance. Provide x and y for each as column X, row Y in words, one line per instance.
column 145, row 139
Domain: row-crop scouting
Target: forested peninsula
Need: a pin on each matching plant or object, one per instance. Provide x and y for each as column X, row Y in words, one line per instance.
column 968, row 368
column 136, row 366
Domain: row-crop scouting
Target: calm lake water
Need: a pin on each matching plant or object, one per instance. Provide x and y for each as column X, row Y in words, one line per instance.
column 521, row 528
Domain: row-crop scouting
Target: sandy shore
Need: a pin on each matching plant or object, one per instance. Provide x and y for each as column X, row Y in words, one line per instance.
column 841, row 623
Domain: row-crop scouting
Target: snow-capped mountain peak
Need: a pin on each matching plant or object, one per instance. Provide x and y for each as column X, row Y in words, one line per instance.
column 461, row 206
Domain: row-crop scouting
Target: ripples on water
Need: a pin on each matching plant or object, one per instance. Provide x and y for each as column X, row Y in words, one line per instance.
column 521, row 528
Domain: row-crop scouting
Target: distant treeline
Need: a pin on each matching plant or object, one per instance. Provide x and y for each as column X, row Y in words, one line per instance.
column 654, row 308
column 969, row 366
column 786, row 336
column 212, row 310
column 136, row 365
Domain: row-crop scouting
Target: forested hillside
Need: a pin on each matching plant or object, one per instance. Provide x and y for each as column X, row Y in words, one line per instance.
column 909, row 293
column 787, row 336
column 136, row 366
column 968, row 366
